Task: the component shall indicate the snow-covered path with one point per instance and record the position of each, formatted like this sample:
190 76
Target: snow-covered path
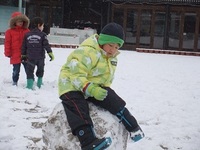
161 91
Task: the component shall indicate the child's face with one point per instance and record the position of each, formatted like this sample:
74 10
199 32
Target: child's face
19 23
41 27
111 49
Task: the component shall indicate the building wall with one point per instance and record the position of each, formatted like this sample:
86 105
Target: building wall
50 10
6 9
68 13
162 26
5 14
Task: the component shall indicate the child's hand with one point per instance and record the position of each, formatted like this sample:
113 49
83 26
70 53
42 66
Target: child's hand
51 56
97 92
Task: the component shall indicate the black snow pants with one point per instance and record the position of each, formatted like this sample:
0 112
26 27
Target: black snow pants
77 109
31 66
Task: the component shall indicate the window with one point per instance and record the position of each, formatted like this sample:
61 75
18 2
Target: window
174 30
189 30
131 27
145 28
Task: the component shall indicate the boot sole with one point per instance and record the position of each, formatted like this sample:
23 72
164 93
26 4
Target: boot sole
135 139
106 143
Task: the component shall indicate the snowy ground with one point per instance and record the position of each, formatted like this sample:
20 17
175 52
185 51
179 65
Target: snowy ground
161 91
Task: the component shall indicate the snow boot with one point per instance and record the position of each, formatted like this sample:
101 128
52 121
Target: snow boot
98 144
137 134
29 84
14 83
39 82
130 124
89 141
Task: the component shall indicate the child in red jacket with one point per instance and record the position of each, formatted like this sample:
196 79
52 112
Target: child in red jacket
13 41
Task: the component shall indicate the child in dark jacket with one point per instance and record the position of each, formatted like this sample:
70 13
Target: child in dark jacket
13 41
86 77
33 50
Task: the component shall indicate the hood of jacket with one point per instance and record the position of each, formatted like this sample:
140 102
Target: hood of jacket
92 42
18 16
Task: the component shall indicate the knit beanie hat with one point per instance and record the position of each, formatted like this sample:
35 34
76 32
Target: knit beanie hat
111 33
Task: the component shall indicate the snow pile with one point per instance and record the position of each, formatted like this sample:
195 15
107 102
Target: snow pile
57 133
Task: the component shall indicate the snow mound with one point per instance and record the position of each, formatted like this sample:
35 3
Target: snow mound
57 133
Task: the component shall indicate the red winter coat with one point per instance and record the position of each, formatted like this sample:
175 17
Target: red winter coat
14 37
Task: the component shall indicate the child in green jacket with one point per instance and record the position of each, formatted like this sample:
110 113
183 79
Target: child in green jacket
86 77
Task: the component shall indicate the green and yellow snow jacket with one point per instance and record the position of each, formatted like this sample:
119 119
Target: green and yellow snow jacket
87 64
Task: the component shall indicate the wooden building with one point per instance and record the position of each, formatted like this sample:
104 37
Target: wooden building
159 24
156 24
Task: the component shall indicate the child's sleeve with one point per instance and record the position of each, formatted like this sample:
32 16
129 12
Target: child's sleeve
46 44
7 44
24 47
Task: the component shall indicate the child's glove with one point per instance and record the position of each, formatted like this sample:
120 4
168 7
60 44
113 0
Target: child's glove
23 58
96 91
51 56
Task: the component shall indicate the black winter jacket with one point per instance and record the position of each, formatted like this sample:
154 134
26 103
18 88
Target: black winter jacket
35 44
